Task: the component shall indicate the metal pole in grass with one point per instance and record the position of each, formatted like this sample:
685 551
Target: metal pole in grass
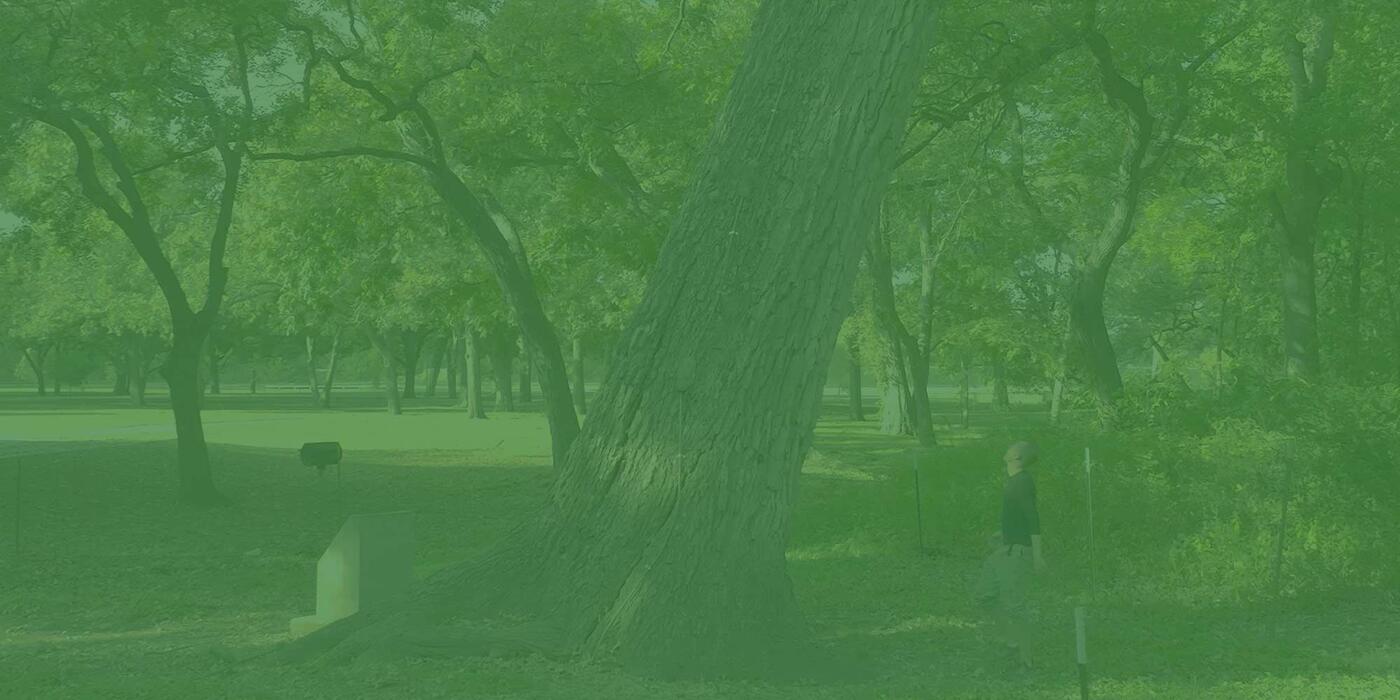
918 503
1081 652
19 486
1089 490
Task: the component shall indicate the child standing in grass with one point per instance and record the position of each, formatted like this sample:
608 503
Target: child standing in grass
1005 581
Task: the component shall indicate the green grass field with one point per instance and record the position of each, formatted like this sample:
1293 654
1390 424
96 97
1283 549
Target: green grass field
115 591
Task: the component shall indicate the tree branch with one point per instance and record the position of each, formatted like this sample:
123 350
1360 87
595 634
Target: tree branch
352 152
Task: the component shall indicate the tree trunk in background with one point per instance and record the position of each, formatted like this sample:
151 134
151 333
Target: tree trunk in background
580 399
472 394
121 378
57 366
253 381
35 358
454 360
492 230
894 414
136 369
663 544
856 398
213 358
435 367
330 371
1357 311
311 380
526 382
1001 394
1139 158
501 361
965 394
1298 203
181 371
412 349
907 361
389 372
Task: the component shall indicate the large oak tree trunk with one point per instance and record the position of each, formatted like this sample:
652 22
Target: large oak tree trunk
668 528
663 543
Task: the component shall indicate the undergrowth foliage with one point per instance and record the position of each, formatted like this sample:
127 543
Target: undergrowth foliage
1189 501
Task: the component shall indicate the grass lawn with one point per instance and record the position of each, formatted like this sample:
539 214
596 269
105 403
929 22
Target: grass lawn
117 592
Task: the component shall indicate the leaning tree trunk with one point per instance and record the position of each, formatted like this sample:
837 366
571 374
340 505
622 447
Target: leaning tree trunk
181 372
663 544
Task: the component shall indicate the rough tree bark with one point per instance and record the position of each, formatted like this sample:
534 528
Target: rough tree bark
663 543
